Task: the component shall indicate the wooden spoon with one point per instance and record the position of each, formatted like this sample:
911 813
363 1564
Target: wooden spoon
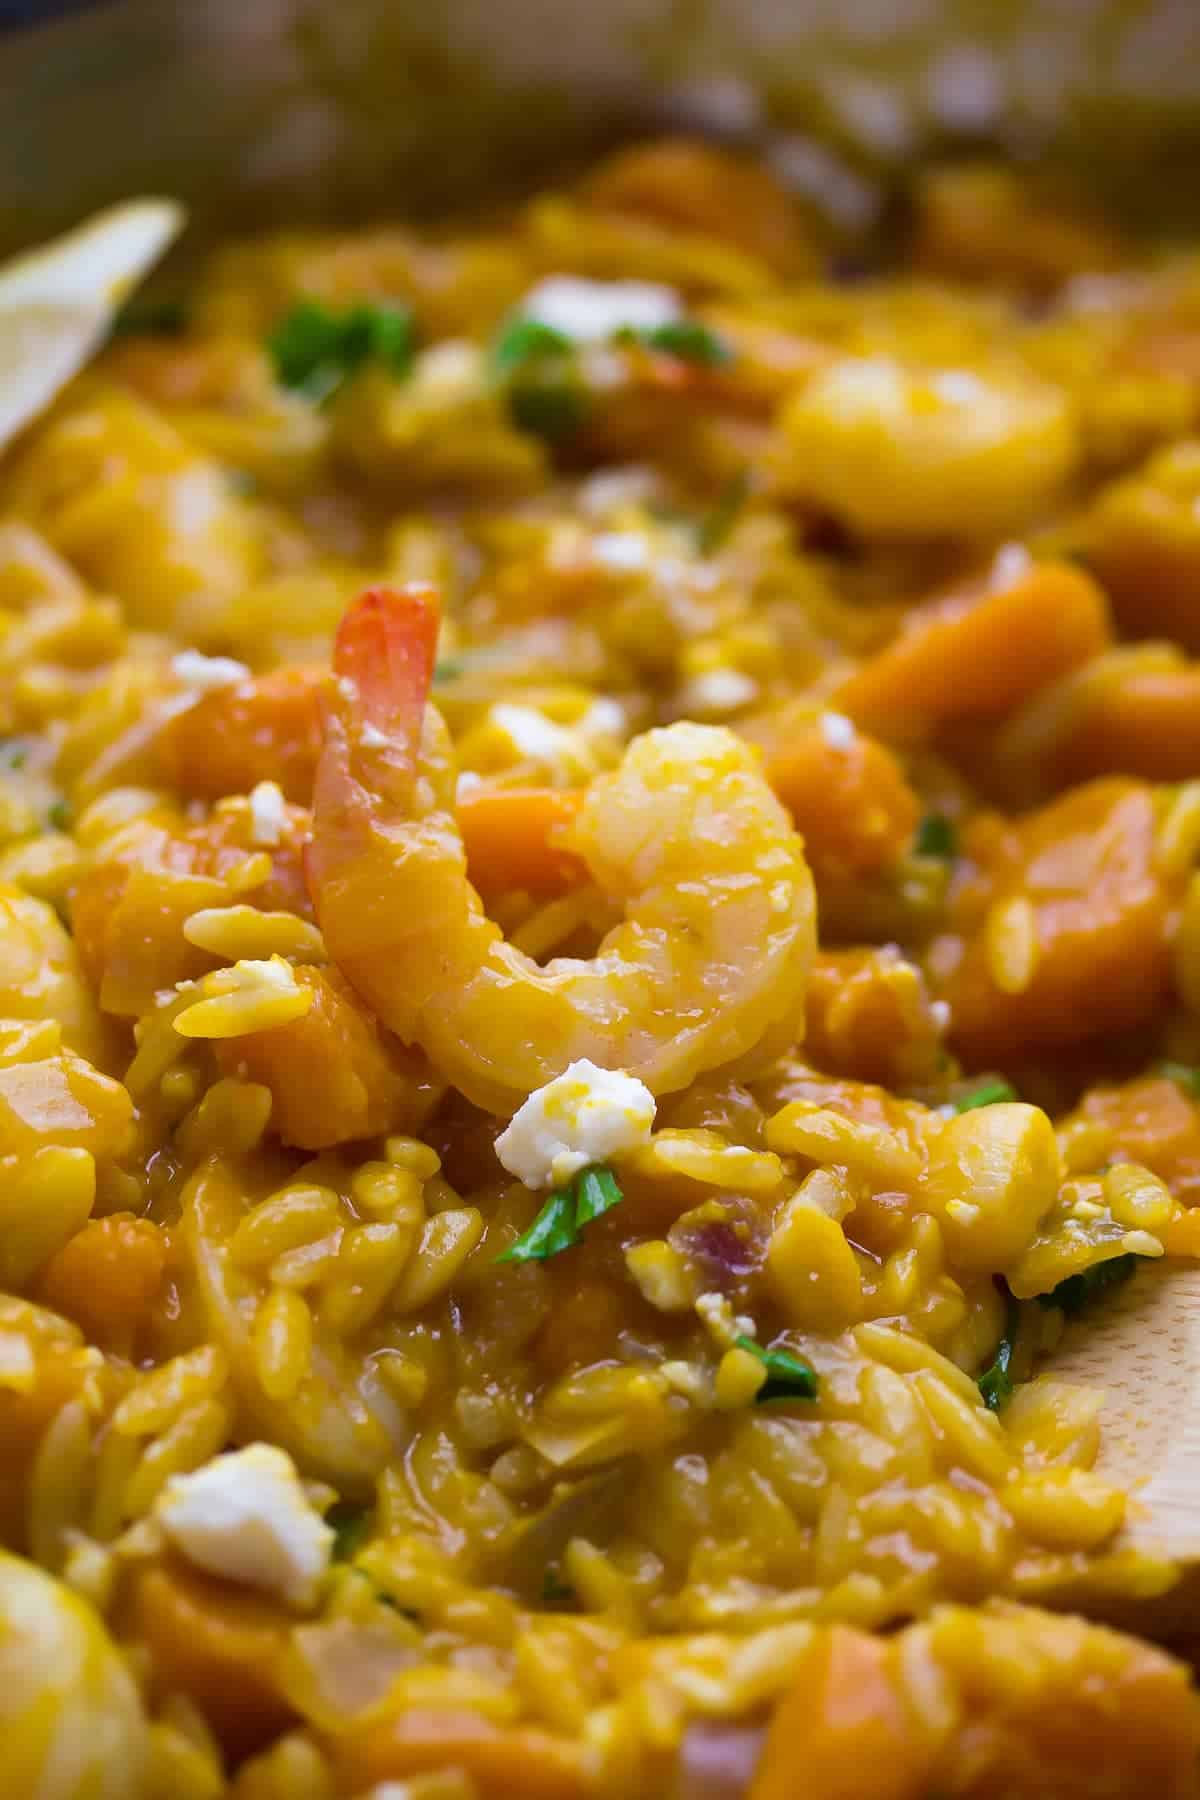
1141 1346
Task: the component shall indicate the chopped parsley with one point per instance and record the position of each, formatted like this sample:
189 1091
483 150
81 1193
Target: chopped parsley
14 753
718 522
1183 1075
1078 1291
686 339
522 339
789 1377
996 1382
314 349
58 815
351 1528
593 1192
556 1591
550 404
936 836
448 668
538 367
988 1093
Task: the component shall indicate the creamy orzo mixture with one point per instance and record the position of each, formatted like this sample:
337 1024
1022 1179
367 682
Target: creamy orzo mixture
599 950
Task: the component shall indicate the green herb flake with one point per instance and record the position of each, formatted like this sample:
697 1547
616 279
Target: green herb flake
996 1383
936 836
555 1591
596 1192
550 406
1078 1292
719 521
58 815
789 1377
685 339
448 668
553 1230
988 1093
351 1529
593 1192
14 753
1183 1075
522 339
314 349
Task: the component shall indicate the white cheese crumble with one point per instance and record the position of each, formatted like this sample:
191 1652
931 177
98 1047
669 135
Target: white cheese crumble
531 733
204 673
245 1515
268 813
585 1115
611 489
623 550
1010 563
717 691
591 311
837 730
723 1325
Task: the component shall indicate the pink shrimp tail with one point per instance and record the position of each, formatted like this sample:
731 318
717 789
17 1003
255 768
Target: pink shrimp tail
386 645
383 658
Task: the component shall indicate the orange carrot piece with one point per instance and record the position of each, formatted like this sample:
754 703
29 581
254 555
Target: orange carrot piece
843 1722
851 803
1147 725
510 836
108 1274
333 1074
502 1762
264 729
978 653
218 1645
1100 914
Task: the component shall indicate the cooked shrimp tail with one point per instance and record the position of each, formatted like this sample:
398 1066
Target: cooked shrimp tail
710 961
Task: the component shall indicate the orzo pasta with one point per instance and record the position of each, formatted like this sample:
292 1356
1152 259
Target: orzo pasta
599 942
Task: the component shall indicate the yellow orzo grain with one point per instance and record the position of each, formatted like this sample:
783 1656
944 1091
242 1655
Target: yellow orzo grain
282 1343
704 1156
1011 943
243 933
253 995
447 1240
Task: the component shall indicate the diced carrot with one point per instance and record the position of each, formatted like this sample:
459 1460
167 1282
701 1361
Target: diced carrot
265 729
510 836
869 1014
1099 953
107 1275
333 1075
1153 1122
504 1763
977 653
851 802
1147 725
843 1728
1145 548
217 1644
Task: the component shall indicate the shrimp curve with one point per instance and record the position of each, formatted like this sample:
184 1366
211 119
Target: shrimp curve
712 957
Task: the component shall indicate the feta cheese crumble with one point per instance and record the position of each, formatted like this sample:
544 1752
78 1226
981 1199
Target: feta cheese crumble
246 1516
837 730
585 1115
590 312
204 673
268 813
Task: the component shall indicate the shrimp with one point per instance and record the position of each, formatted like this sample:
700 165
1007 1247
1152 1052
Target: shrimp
709 964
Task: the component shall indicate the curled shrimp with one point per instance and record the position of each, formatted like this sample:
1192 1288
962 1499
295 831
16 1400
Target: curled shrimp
708 965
